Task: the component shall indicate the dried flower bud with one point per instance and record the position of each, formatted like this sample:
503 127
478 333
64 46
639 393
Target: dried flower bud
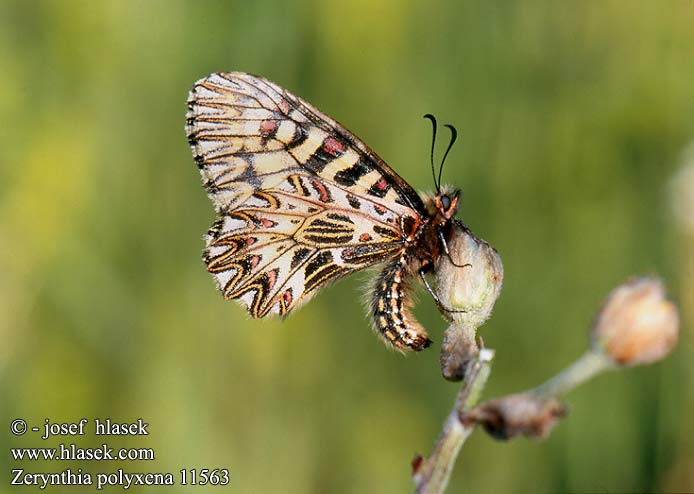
469 282
636 324
417 462
522 413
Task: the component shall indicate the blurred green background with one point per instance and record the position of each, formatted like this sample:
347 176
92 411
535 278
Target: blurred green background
574 121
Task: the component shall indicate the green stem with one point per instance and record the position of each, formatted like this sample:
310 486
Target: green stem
587 366
434 473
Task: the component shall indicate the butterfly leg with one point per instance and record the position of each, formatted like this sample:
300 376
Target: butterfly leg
436 298
390 306
442 238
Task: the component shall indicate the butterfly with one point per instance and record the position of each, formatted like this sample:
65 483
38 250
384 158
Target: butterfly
301 202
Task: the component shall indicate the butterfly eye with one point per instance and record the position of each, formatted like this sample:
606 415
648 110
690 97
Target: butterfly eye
445 202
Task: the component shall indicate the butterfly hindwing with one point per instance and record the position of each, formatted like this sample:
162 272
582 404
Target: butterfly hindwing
274 250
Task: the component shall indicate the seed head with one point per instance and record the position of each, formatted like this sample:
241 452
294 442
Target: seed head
636 325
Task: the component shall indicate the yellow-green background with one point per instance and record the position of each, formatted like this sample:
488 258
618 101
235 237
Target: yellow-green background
573 118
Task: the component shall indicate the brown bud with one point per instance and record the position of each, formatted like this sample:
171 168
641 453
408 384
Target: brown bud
636 324
519 414
417 462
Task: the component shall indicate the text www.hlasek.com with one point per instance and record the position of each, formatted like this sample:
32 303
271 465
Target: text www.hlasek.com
72 452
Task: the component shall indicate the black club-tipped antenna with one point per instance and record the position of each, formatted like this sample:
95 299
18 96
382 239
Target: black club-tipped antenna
454 136
433 143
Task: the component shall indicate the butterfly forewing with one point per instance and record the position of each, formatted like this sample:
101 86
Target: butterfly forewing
247 129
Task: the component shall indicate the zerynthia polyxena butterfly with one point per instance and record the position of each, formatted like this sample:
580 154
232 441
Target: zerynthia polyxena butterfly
301 202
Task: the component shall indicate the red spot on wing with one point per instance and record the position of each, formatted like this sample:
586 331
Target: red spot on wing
271 278
266 223
268 128
333 147
365 237
254 261
287 296
379 209
323 194
382 184
250 241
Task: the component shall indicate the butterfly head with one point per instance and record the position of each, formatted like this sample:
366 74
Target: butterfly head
446 203
442 205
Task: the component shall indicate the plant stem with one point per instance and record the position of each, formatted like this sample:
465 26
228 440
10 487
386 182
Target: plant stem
433 474
587 366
